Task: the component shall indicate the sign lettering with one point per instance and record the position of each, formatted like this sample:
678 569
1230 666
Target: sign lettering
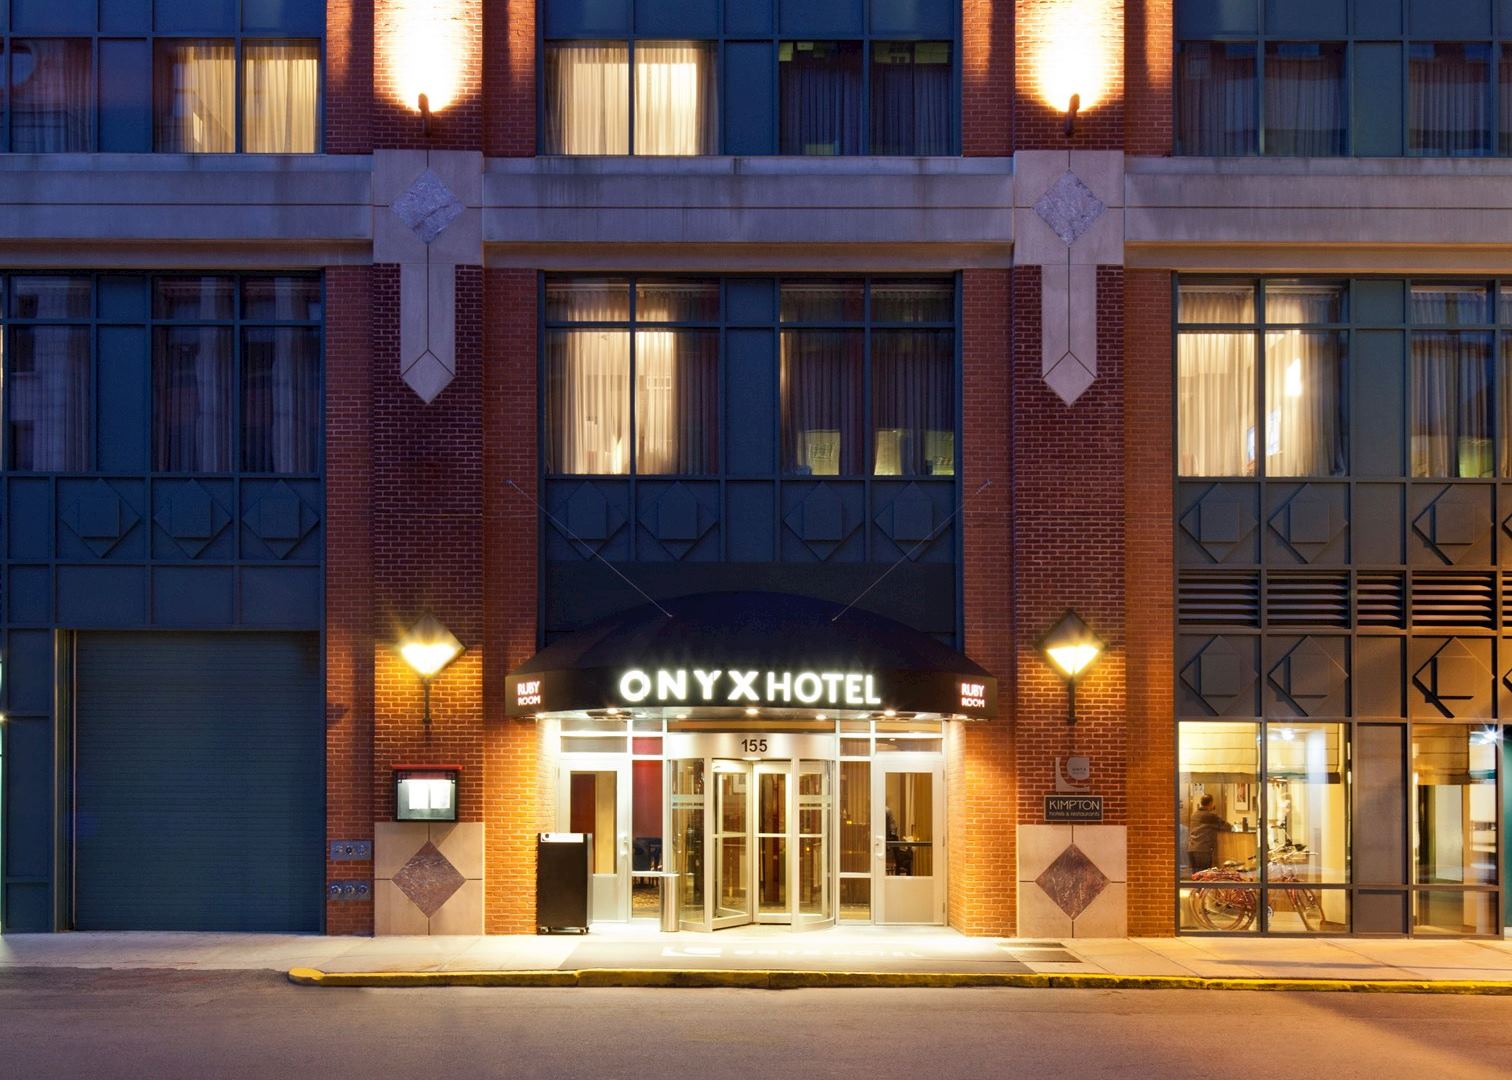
1073 808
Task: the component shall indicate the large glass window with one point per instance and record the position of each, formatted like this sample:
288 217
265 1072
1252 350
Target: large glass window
1452 379
47 374
1216 107
196 96
1448 99
1454 843
588 94
911 92
281 97
1305 104
51 96
820 94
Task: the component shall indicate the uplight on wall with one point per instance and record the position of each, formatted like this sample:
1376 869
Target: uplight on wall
1075 54
423 47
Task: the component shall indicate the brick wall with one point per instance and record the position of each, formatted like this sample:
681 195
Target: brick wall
396 121
509 78
1039 126
980 761
349 609
1149 595
517 797
1148 47
986 78
349 76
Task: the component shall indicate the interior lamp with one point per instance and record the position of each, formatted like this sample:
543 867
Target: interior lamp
428 648
1071 647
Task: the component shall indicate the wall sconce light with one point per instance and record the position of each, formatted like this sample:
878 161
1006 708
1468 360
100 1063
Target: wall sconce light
1071 110
428 648
1071 647
425 115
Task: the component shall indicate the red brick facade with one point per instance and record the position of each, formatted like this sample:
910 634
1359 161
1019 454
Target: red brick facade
986 78
1038 125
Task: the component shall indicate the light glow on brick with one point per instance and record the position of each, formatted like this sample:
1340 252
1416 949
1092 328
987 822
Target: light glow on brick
425 44
1076 51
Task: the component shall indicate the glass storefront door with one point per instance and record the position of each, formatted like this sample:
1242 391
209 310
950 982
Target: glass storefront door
732 843
908 864
595 798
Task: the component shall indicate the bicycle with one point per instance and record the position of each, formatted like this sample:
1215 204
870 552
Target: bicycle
1228 910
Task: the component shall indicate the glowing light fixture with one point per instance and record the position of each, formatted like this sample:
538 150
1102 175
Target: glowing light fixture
428 648
1076 54
1071 647
424 44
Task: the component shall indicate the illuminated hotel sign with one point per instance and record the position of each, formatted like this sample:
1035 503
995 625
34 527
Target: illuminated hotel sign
841 689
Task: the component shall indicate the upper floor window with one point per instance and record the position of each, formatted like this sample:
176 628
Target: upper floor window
199 97
591 99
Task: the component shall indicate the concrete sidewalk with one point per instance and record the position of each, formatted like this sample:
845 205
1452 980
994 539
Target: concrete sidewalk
876 950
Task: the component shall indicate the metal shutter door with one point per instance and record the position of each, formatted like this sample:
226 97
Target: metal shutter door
199 786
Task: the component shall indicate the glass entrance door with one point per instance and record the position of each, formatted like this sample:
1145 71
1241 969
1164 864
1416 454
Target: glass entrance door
908 855
595 799
732 844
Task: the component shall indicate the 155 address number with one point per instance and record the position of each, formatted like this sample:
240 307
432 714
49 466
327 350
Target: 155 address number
753 746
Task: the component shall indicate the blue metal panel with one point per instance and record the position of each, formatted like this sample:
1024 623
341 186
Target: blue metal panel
1446 20
195 16
750 405
820 18
1377 100
587 18
100 519
122 297
29 672
29 596
120 404
1313 19
754 17
1378 18
1504 21
284 16
750 507
280 596
27 816
1205 18
1377 358
681 19
749 97
125 97
185 596
30 520
199 782
280 519
126 16
1380 303
192 519
750 300
53 16
916 18
94 596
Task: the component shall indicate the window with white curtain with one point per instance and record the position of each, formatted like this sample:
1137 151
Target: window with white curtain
588 98
1304 100
197 87
196 97
1452 371
47 373
51 96
1215 91
281 97
1448 99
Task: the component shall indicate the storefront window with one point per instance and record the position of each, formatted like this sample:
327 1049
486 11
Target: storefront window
1454 782
1218 825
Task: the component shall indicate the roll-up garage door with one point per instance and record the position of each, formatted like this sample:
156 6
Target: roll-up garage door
199 782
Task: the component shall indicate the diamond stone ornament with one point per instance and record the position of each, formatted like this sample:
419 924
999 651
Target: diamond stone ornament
1073 881
429 879
1069 207
428 207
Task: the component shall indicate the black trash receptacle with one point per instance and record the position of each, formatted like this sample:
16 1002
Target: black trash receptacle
564 866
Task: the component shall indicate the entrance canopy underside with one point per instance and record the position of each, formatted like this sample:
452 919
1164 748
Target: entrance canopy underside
719 655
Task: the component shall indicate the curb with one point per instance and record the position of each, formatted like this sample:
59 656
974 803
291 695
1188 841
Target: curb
669 978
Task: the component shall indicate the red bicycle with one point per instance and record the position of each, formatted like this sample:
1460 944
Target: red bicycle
1227 908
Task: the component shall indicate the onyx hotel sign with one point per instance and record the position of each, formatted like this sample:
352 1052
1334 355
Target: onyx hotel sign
738 686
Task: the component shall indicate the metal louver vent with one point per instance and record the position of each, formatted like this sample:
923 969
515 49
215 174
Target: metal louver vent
1307 599
1450 599
1218 599
1380 600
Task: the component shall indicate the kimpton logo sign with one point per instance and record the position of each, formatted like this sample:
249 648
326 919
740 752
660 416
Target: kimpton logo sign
719 687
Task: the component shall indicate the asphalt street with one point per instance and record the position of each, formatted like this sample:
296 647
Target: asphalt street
214 1024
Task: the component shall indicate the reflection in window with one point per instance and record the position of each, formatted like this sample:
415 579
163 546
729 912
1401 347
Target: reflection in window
823 301
1448 99
195 111
1306 832
820 97
821 395
677 401
1451 304
913 402
911 94
1304 100
47 399
281 97
1454 779
676 104
1216 99
1304 402
1215 403
191 398
280 399
51 96
910 824
1451 404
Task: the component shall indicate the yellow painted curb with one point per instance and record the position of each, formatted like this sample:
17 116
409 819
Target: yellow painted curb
695 978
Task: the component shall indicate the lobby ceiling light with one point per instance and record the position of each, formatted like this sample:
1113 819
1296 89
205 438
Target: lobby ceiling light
428 648
1071 647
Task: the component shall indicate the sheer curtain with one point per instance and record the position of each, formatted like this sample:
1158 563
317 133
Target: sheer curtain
1304 394
820 97
1504 90
1304 100
280 399
676 401
588 401
191 392
1216 99
821 402
1215 404
676 103
280 97
196 107
1448 99
588 98
1451 404
913 402
911 92
51 106
49 398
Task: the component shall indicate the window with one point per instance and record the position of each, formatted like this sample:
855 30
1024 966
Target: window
47 374
590 358
1303 389
196 96
1304 100
588 95
911 91
219 354
1452 378
1448 95
1216 92
1454 844
51 96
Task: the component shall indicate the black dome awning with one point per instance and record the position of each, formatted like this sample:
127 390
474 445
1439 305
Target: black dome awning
737 650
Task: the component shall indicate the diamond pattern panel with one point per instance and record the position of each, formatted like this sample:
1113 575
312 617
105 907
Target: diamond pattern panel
193 517
1069 207
428 879
428 206
1073 881
100 518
